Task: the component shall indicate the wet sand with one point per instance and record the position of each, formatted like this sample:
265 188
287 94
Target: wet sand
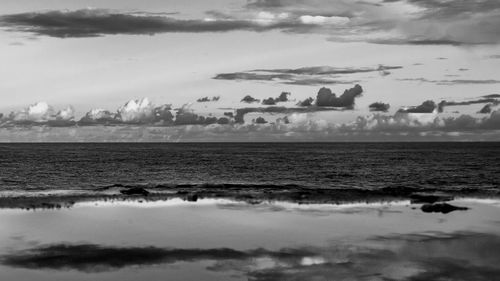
131 238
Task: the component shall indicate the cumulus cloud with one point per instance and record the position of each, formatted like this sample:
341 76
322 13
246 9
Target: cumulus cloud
283 97
306 102
486 109
140 111
297 126
37 112
136 111
379 106
208 99
98 116
428 106
421 122
249 99
260 120
186 116
326 97
66 114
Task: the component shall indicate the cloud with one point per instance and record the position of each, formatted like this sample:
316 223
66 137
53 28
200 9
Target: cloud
241 112
140 111
207 99
99 22
98 116
421 122
452 82
283 97
249 99
321 20
486 109
136 111
418 22
428 106
66 114
492 96
260 120
37 112
306 102
297 126
316 75
379 106
325 97
185 116
329 70
486 99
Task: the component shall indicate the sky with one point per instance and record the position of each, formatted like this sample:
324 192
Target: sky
311 70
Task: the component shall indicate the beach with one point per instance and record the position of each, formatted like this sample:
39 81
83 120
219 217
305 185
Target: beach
222 239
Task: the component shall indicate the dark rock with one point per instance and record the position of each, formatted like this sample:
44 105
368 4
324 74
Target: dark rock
192 197
441 208
417 198
135 191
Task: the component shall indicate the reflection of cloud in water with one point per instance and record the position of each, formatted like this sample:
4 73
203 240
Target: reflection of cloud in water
425 256
315 209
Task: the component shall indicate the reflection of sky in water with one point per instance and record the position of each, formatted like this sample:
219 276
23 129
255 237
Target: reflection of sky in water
225 240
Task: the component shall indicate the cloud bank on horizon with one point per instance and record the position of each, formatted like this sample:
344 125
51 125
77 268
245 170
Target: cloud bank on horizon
142 120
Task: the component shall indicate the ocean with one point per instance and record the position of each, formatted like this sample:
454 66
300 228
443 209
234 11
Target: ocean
88 166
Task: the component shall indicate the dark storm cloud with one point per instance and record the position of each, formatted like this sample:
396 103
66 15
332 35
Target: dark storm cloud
379 106
98 258
98 22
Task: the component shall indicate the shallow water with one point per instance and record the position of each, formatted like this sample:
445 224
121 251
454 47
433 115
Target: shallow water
226 240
